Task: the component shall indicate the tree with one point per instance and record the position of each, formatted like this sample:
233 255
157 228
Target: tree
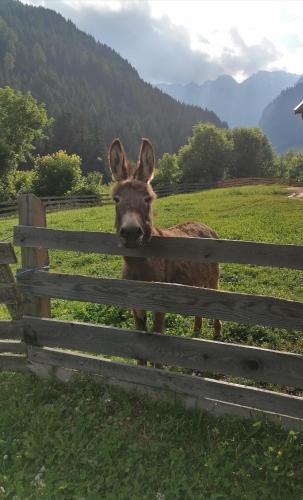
290 166
168 172
252 153
22 122
206 156
57 174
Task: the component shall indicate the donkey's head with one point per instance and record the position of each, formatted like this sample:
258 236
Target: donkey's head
133 193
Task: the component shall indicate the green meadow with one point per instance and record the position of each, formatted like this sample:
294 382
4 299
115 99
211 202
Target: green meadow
83 440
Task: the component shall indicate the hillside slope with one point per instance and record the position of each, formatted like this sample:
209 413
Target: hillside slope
240 104
281 125
91 91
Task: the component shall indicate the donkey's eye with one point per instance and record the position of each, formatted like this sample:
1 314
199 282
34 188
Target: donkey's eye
116 199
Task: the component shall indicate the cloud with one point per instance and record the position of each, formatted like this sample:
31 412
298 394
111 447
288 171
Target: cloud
159 49
245 58
293 42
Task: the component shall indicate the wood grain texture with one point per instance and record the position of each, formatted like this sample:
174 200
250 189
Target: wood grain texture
276 367
11 330
13 363
14 347
216 408
195 249
166 297
7 294
32 213
10 294
7 254
197 387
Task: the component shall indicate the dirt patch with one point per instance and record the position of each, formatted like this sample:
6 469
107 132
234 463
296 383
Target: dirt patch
296 192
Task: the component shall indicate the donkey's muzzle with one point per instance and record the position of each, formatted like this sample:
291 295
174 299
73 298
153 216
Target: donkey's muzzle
131 235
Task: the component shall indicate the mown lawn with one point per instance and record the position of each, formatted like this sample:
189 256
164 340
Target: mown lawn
85 441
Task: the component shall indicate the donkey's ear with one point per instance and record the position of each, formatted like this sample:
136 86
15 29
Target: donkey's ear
146 162
118 161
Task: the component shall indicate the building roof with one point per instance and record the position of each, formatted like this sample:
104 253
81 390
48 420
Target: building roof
299 108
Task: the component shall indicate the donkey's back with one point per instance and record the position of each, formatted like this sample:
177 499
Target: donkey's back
187 272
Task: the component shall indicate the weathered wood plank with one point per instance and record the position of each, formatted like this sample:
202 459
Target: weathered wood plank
9 289
15 347
11 330
166 297
216 408
276 367
195 249
197 387
13 363
7 294
32 213
7 254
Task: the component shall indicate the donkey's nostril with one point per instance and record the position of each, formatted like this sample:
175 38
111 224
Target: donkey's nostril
131 232
138 232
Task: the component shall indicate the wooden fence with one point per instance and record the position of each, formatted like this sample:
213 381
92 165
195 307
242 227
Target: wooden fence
51 203
61 347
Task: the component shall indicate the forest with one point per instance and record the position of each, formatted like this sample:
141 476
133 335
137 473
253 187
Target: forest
92 93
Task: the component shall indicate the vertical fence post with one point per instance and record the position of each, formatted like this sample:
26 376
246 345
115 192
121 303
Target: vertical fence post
32 213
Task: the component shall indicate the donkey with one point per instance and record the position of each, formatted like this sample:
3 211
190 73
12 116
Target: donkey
133 196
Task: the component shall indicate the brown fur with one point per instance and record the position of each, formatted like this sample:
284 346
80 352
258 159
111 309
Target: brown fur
134 195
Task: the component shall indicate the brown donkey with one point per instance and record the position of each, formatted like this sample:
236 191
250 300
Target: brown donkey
133 196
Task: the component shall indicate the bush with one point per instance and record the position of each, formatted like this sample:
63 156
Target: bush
23 181
290 166
7 187
90 184
168 172
58 174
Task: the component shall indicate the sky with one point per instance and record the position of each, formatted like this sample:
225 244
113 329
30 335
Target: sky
182 41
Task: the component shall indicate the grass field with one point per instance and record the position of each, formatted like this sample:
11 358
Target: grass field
84 441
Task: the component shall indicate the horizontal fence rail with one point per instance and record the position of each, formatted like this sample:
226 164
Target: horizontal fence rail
265 365
166 297
195 249
7 254
197 387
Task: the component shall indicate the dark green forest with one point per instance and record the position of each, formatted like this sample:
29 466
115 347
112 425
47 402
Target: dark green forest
283 128
91 92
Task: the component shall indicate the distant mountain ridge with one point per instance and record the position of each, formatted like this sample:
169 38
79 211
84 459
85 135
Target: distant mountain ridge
239 104
93 93
283 128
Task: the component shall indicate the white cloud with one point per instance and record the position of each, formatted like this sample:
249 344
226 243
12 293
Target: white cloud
182 41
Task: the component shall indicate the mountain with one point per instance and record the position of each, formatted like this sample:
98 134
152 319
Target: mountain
283 128
240 104
93 94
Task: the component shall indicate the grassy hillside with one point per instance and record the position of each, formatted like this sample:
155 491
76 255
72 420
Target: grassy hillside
86 441
261 213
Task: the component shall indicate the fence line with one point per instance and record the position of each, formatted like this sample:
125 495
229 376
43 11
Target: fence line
276 367
51 203
196 249
50 345
165 297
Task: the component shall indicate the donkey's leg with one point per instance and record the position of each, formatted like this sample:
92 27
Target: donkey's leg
141 324
217 328
214 283
158 327
198 325
159 323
